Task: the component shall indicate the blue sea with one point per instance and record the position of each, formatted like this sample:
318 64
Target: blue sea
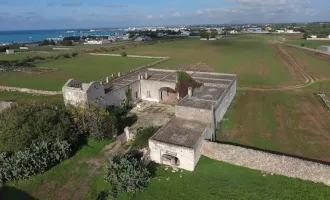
39 35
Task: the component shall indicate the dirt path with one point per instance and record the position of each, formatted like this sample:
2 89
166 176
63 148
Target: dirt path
309 80
30 91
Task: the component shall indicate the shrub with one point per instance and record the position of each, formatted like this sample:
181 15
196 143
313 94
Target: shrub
126 173
22 124
123 54
302 45
95 121
36 159
74 54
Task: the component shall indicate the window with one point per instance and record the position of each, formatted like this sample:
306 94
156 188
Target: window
136 95
148 94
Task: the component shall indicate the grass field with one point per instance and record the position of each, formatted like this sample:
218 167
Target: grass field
295 123
256 62
297 39
86 68
19 56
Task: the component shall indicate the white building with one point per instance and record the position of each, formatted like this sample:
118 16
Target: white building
185 33
24 48
10 51
143 38
97 42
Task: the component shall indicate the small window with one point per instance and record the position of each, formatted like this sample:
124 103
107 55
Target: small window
148 94
136 95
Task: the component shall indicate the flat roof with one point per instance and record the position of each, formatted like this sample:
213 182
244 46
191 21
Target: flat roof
181 132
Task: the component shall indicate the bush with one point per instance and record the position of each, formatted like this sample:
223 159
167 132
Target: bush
36 159
67 55
123 54
302 45
95 121
74 54
22 124
126 173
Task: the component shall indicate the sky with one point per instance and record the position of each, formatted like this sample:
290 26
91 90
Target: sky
71 14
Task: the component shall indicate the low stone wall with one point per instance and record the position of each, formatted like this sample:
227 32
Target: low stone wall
325 101
267 162
320 39
305 48
30 91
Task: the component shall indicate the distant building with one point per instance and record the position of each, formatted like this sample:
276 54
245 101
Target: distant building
185 33
10 51
254 30
313 36
143 38
24 48
97 42
280 31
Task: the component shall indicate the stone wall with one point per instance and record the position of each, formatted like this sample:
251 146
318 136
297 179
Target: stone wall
305 48
268 162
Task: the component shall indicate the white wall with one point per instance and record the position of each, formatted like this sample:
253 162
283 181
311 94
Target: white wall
153 87
185 155
74 96
116 96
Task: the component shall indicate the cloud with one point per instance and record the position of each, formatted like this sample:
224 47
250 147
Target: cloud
116 5
149 16
200 12
176 14
72 3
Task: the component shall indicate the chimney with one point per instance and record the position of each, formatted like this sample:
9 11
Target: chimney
119 74
190 91
146 75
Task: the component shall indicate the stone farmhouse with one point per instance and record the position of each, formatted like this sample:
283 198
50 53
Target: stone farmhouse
197 115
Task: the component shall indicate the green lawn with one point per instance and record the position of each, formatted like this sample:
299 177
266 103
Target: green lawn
250 56
217 180
86 68
295 123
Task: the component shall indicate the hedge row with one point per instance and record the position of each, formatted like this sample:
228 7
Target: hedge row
34 160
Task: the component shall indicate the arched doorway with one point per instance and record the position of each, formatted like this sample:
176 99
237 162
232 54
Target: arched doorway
170 160
167 95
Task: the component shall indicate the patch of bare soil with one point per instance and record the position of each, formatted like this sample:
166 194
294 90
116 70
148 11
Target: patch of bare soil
36 70
282 126
319 56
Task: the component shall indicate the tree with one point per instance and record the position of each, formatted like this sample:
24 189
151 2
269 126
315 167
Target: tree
67 43
22 124
95 121
126 173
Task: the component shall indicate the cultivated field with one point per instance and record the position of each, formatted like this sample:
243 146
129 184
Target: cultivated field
86 68
295 123
256 62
